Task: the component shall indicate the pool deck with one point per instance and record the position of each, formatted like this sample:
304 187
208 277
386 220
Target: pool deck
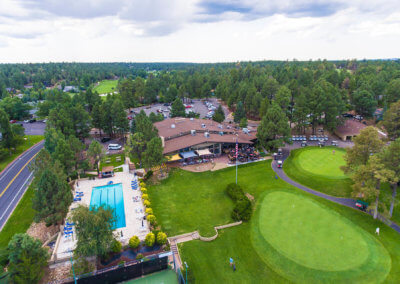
134 211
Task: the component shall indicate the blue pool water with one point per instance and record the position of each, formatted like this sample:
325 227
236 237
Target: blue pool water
112 196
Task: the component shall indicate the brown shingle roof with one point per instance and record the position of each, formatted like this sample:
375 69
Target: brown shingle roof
180 137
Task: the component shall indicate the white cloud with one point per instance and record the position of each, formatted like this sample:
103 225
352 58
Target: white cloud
179 30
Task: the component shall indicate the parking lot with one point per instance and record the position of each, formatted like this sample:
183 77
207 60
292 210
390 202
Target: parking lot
34 128
196 105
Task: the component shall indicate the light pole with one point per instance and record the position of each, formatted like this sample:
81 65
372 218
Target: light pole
186 271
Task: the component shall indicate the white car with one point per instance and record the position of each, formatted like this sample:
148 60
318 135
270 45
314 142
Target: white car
114 147
26 121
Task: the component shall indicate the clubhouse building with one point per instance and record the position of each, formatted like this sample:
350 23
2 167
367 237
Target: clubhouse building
185 138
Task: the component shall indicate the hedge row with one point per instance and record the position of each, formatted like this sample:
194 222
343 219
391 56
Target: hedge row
243 206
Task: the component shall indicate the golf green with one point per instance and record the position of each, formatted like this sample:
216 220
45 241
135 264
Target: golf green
322 161
301 239
319 169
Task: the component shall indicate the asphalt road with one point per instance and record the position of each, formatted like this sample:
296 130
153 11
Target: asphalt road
14 181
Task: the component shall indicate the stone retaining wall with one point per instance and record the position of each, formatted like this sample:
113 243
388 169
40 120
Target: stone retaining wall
209 239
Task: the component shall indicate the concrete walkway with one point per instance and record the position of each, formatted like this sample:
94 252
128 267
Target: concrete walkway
349 202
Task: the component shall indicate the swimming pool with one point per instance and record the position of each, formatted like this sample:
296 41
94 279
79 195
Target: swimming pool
112 196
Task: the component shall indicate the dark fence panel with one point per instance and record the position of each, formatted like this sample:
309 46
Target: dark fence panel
123 273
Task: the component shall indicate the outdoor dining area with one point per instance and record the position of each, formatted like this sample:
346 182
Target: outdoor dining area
246 153
192 157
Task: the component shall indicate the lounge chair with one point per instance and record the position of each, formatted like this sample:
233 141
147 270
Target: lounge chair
77 199
110 182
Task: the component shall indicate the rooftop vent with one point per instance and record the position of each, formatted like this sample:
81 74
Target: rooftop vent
203 125
246 130
193 132
191 119
172 125
221 133
206 134
220 126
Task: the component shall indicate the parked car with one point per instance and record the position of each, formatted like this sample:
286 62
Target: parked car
280 163
26 121
13 121
114 147
303 144
130 117
105 139
334 143
32 120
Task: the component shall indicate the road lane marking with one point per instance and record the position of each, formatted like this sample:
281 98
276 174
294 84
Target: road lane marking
15 196
15 162
24 166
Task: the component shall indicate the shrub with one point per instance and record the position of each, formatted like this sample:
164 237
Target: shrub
121 263
146 203
234 191
145 196
242 210
161 238
139 256
142 184
243 206
150 239
143 189
82 266
149 211
134 242
116 246
151 219
148 175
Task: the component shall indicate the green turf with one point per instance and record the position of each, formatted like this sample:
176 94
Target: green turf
113 162
257 261
322 161
106 86
20 219
319 169
163 277
305 240
25 145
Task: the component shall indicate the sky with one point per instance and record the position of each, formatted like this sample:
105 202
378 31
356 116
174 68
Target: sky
197 30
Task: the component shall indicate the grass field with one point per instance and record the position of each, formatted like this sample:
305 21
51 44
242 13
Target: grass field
20 219
319 169
187 201
106 86
32 140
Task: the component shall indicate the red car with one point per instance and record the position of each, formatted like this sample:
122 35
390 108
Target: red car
130 117
188 106
13 121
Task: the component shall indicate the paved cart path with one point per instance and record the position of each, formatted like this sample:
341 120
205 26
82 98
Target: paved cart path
349 202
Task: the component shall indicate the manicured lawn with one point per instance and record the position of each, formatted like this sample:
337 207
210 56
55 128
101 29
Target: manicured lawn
319 169
25 145
113 162
188 201
257 247
106 86
20 219
306 240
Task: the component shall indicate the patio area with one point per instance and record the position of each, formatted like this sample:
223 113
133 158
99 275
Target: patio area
133 206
